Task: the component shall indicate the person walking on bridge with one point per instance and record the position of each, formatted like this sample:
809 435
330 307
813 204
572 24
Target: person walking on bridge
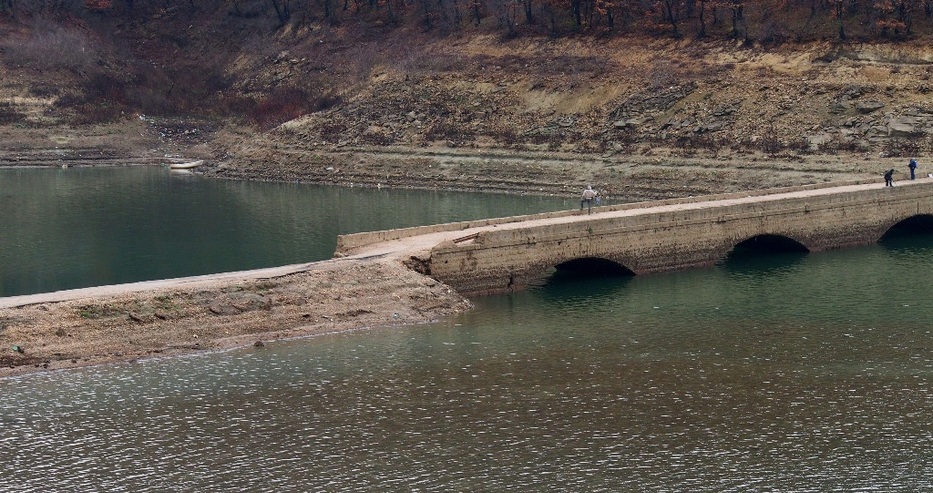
913 168
889 178
588 195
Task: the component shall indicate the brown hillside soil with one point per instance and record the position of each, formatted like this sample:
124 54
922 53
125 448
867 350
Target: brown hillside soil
636 118
639 119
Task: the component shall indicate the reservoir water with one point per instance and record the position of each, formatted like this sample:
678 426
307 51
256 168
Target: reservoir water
80 227
778 372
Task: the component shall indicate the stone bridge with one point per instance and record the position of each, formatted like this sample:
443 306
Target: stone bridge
509 253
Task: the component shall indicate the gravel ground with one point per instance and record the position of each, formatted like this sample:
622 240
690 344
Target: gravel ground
216 314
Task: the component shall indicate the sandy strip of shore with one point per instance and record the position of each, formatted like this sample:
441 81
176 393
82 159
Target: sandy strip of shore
183 316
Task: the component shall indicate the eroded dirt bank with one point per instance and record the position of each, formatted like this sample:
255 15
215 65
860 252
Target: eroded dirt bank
330 296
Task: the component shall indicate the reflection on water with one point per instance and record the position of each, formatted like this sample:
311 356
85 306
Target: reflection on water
809 375
754 263
79 227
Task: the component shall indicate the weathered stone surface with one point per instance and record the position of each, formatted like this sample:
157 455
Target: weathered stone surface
866 107
816 140
905 126
664 238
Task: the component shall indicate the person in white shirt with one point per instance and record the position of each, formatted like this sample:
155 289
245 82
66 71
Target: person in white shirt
588 196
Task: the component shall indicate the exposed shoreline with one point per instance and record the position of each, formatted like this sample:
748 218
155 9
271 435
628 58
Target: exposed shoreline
212 313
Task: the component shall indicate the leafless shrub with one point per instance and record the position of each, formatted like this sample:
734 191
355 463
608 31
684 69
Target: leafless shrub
505 135
800 145
288 103
901 148
43 91
88 111
248 9
52 47
378 138
236 106
769 144
838 144
588 146
101 99
712 143
151 100
104 87
99 113
449 131
8 113
773 32
625 136
333 132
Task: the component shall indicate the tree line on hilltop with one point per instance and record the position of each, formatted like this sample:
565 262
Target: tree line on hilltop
768 21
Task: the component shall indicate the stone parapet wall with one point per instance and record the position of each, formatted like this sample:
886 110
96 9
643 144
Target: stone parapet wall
349 243
654 241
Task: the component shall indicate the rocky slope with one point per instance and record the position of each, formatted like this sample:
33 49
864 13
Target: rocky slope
639 118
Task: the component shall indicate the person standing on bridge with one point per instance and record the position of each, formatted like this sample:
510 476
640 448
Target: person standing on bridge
889 178
913 168
588 195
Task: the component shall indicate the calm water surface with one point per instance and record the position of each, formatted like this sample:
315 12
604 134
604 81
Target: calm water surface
774 373
783 372
79 227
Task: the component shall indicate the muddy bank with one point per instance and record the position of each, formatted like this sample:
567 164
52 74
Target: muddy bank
660 174
213 315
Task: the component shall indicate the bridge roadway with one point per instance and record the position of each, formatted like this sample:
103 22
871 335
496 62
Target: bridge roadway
509 253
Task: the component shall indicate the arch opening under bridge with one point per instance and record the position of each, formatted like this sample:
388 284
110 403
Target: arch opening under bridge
921 224
587 267
762 251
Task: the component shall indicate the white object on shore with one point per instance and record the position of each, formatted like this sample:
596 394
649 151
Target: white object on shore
188 165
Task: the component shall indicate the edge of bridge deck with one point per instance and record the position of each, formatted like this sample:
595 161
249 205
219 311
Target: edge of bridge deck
159 284
349 244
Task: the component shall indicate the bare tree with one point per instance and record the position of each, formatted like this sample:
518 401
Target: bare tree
672 10
838 13
738 19
282 11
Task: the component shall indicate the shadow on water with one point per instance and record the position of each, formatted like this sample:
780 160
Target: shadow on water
910 237
584 278
764 255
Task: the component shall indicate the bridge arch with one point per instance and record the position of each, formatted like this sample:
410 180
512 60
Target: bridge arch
679 234
919 224
577 269
771 243
592 267
763 243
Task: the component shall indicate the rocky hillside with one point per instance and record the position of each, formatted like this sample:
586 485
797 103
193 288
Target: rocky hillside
632 95
644 117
